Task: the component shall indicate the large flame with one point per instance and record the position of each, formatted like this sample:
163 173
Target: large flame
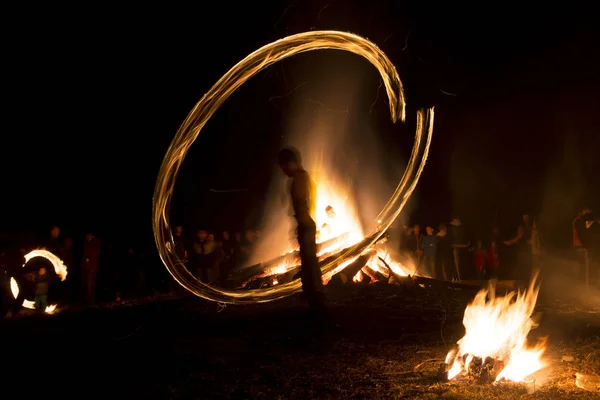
497 328
338 224
336 216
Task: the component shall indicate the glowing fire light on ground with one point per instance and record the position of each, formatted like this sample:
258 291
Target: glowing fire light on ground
59 268
497 329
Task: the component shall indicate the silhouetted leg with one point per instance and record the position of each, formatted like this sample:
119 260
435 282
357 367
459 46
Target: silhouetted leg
83 295
41 302
91 288
456 254
430 266
525 261
312 283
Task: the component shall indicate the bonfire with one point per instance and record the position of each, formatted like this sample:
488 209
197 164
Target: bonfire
339 228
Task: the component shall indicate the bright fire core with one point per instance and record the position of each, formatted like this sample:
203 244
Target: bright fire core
339 227
497 329
335 216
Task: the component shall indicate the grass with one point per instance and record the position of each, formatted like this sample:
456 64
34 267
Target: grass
382 342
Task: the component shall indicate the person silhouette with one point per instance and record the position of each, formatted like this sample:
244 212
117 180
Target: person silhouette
303 199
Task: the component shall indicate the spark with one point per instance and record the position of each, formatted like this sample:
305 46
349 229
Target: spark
387 37
373 105
282 15
406 40
323 9
447 93
287 94
325 108
373 11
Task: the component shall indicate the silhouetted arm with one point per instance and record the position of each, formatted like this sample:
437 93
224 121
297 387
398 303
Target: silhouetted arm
520 233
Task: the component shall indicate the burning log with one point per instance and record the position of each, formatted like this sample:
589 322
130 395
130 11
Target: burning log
359 263
485 371
260 279
374 274
397 278
246 274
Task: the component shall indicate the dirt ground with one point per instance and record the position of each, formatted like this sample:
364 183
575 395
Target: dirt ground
381 342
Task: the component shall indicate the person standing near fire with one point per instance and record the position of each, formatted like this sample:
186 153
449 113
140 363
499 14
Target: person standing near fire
590 239
89 267
429 250
522 240
302 193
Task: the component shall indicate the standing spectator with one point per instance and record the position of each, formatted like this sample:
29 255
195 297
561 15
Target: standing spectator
89 267
429 248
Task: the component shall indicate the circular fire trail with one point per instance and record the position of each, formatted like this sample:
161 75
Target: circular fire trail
216 96
59 268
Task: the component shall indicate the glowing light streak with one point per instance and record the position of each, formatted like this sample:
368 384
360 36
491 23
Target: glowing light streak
216 96
59 267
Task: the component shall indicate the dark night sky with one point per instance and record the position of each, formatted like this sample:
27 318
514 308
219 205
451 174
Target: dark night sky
95 96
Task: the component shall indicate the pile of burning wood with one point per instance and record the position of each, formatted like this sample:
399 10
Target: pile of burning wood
372 265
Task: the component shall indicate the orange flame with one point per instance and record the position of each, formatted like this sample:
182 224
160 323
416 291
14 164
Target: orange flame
337 218
497 328
59 267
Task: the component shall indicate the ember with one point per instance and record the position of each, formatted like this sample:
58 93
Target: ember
496 336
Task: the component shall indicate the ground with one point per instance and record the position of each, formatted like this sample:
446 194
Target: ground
382 341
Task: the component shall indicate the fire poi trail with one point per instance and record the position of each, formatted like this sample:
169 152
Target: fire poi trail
59 268
216 96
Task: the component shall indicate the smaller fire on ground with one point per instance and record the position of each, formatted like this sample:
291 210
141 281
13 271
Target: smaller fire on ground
496 336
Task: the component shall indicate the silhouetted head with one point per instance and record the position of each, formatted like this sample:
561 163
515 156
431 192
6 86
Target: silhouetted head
42 271
225 235
416 228
178 230
202 234
55 232
89 236
429 230
289 160
526 219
